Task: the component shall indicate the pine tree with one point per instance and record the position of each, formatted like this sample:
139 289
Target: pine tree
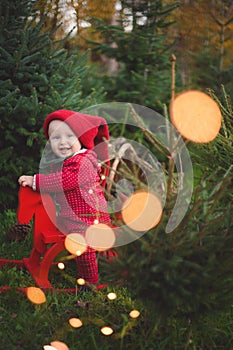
187 274
206 72
37 77
138 43
218 153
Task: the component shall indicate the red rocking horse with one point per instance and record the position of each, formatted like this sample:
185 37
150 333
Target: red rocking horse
48 240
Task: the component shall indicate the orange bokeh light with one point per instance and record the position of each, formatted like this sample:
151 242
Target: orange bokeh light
196 116
100 237
36 295
142 211
58 345
75 244
75 322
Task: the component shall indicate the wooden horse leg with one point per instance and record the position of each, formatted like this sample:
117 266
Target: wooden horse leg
40 272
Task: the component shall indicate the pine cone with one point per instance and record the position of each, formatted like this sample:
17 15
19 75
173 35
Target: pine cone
18 232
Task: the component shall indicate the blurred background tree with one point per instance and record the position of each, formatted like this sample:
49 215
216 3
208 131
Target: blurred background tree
116 31
138 44
203 33
37 76
75 14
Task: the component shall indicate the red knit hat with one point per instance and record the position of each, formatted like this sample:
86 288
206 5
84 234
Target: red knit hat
92 131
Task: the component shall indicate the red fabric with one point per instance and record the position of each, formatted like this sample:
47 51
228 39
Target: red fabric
88 267
77 191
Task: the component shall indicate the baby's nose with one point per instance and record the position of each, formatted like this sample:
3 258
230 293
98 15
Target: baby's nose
63 140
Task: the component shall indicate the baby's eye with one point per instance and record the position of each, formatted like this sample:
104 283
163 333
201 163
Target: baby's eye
71 135
55 137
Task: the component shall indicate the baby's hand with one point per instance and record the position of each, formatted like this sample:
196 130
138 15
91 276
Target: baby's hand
26 180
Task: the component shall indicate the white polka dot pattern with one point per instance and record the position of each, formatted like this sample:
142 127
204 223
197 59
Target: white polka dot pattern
77 191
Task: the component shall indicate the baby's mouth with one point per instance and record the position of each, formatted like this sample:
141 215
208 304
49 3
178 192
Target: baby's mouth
64 150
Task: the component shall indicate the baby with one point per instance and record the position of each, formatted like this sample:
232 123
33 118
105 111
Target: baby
75 178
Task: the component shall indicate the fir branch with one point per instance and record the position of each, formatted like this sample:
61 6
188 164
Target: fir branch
154 141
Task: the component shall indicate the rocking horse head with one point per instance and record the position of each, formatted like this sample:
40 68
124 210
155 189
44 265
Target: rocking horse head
34 205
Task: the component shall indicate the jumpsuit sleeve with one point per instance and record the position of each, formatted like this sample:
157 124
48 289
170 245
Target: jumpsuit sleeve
77 172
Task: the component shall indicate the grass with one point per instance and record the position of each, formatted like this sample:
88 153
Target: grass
27 326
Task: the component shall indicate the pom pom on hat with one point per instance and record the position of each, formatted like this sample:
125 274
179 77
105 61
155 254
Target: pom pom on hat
92 131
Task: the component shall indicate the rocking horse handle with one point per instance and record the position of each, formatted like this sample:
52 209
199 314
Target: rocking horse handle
121 152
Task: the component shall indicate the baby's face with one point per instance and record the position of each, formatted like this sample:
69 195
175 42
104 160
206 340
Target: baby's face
62 139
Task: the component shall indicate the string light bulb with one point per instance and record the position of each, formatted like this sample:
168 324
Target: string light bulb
75 322
61 265
112 296
134 314
106 330
81 281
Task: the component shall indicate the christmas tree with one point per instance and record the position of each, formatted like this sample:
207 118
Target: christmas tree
37 77
185 275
